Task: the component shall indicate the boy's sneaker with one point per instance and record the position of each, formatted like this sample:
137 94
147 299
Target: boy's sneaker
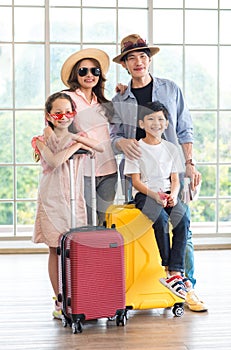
57 313
194 303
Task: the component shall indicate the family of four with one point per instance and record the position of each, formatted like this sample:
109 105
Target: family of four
149 123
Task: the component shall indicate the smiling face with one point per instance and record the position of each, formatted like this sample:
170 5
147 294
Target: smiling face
61 106
89 80
154 124
137 63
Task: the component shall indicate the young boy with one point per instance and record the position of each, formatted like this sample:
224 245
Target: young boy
156 181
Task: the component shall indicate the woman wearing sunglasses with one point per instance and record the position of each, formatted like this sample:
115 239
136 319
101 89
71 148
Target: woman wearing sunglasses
84 73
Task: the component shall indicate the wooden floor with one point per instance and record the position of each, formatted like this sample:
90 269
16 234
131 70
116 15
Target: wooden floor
26 307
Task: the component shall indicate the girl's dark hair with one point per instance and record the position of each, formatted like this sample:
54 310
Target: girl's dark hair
150 107
57 95
98 89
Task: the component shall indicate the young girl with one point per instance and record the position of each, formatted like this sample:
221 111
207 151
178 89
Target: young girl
53 149
84 74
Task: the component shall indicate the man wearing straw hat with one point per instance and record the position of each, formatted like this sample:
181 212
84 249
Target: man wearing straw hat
135 57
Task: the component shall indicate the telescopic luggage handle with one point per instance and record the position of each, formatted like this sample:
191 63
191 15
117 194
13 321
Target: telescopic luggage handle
72 188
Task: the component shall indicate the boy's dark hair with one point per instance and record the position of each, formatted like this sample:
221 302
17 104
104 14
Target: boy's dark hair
150 107
147 51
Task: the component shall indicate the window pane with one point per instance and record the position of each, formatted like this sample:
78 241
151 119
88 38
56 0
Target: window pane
27 182
225 20
29 76
67 3
224 137
208 185
6 176
168 63
132 3
6 137
6 86
201 3
31 29
225 4
25 216
224 223
198 28
138 23
5 2
27 125
99 25
203 211
100 3
204 147
28 2
168 3
225 81
6 24
65 24
58 55
201 77
168 26
6 218
225 180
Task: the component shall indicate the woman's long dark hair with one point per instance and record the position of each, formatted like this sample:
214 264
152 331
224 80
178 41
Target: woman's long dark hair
98 89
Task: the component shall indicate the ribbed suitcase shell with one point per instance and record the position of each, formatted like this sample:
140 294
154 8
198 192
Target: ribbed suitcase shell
93 273
142 261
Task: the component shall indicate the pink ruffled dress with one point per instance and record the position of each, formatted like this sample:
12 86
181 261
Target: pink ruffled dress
53 216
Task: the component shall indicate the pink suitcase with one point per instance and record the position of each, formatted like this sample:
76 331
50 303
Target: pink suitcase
92 274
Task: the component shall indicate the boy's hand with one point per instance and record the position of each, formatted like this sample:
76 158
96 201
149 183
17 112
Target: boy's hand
162 198
172 200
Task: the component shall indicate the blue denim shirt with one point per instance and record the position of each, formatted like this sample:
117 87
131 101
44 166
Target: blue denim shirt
124 120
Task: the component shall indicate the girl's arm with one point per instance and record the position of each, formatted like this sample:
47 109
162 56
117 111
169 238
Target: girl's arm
175 187
141 187
92 143
56 159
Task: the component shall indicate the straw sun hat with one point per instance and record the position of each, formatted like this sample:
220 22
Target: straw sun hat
96 54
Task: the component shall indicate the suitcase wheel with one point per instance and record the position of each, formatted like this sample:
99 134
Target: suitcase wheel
77 327
121 319
178 309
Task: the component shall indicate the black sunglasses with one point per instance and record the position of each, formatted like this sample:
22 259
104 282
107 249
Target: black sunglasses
84 71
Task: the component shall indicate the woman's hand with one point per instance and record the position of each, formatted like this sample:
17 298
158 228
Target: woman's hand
47 132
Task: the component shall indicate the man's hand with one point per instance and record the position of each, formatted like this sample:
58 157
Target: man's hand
121 88
194 175
130 147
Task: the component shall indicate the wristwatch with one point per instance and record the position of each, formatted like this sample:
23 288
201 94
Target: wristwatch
190 161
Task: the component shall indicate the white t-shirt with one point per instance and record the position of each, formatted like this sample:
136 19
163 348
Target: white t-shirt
155 165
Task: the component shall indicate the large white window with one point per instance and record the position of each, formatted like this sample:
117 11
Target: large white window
37 36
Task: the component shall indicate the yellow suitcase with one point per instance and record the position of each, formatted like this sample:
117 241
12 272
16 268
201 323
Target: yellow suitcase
142 261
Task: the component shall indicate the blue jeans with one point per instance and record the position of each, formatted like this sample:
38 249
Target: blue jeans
189 254
173 255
